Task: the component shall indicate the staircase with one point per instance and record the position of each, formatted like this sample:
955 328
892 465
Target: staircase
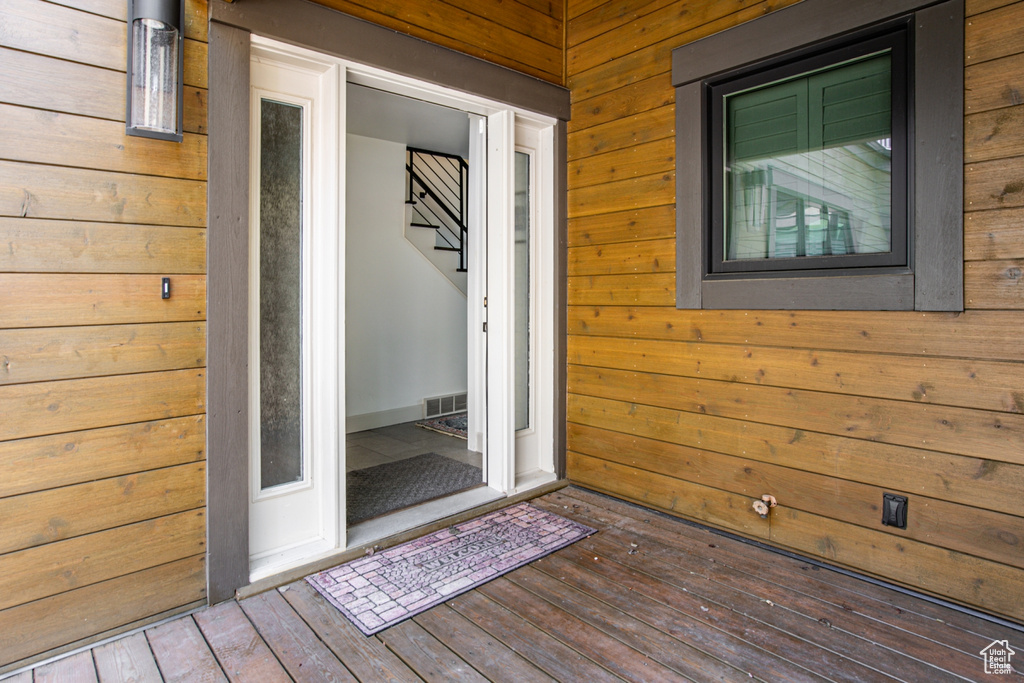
437 210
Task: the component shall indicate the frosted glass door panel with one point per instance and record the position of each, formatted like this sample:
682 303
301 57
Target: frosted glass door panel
280 310
523 219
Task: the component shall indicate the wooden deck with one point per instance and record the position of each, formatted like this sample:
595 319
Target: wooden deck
646 599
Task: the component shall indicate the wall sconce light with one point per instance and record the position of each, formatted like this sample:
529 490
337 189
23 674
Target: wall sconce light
156 64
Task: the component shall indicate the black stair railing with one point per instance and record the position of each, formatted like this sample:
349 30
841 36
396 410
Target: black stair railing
439 192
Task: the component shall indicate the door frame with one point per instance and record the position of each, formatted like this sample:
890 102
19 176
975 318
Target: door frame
348 38
299 524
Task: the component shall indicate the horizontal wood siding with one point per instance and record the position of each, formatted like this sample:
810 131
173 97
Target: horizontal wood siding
102 382
525 35
699 413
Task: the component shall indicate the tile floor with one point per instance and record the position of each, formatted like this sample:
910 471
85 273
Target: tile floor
401 441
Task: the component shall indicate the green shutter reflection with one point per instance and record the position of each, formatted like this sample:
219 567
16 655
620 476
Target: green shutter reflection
809 164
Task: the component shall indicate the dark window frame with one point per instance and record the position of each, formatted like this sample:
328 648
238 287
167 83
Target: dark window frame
932 278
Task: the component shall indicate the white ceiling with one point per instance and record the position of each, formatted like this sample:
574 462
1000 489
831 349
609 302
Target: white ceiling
377 114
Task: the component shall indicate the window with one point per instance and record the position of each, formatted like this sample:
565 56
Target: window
796 149
805 173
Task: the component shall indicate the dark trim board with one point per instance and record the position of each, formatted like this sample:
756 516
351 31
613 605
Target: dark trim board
561 304
848 293
939 74
319 28
227 352
935 159
331 32
780 32
690 194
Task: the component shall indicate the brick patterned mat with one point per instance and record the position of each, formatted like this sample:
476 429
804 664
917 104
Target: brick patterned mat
382 589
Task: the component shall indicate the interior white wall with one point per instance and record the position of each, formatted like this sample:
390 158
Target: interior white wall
405 323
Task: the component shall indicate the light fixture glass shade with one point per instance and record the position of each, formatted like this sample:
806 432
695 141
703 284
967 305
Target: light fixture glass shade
154 71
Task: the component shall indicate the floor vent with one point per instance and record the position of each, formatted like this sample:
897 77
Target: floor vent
444 405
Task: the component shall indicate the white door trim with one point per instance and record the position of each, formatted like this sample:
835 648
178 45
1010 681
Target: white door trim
500 302
534 446
476 313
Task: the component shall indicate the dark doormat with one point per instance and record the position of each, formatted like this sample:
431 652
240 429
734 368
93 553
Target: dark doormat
391 585
381 489
452 425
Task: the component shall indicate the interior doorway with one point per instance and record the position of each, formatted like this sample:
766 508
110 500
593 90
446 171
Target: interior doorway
412 388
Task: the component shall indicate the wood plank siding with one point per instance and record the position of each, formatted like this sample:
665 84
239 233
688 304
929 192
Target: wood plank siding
525 35
699 413
102 383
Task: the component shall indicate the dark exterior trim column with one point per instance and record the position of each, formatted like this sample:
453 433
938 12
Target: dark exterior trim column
227 338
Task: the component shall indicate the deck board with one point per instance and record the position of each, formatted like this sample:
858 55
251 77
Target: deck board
242 653
126 659
551 655
479 648
78 668
802 638
574 631
946 639
182 654
667 616
303 654
427 655
648 598
642 637
952 628
367 658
